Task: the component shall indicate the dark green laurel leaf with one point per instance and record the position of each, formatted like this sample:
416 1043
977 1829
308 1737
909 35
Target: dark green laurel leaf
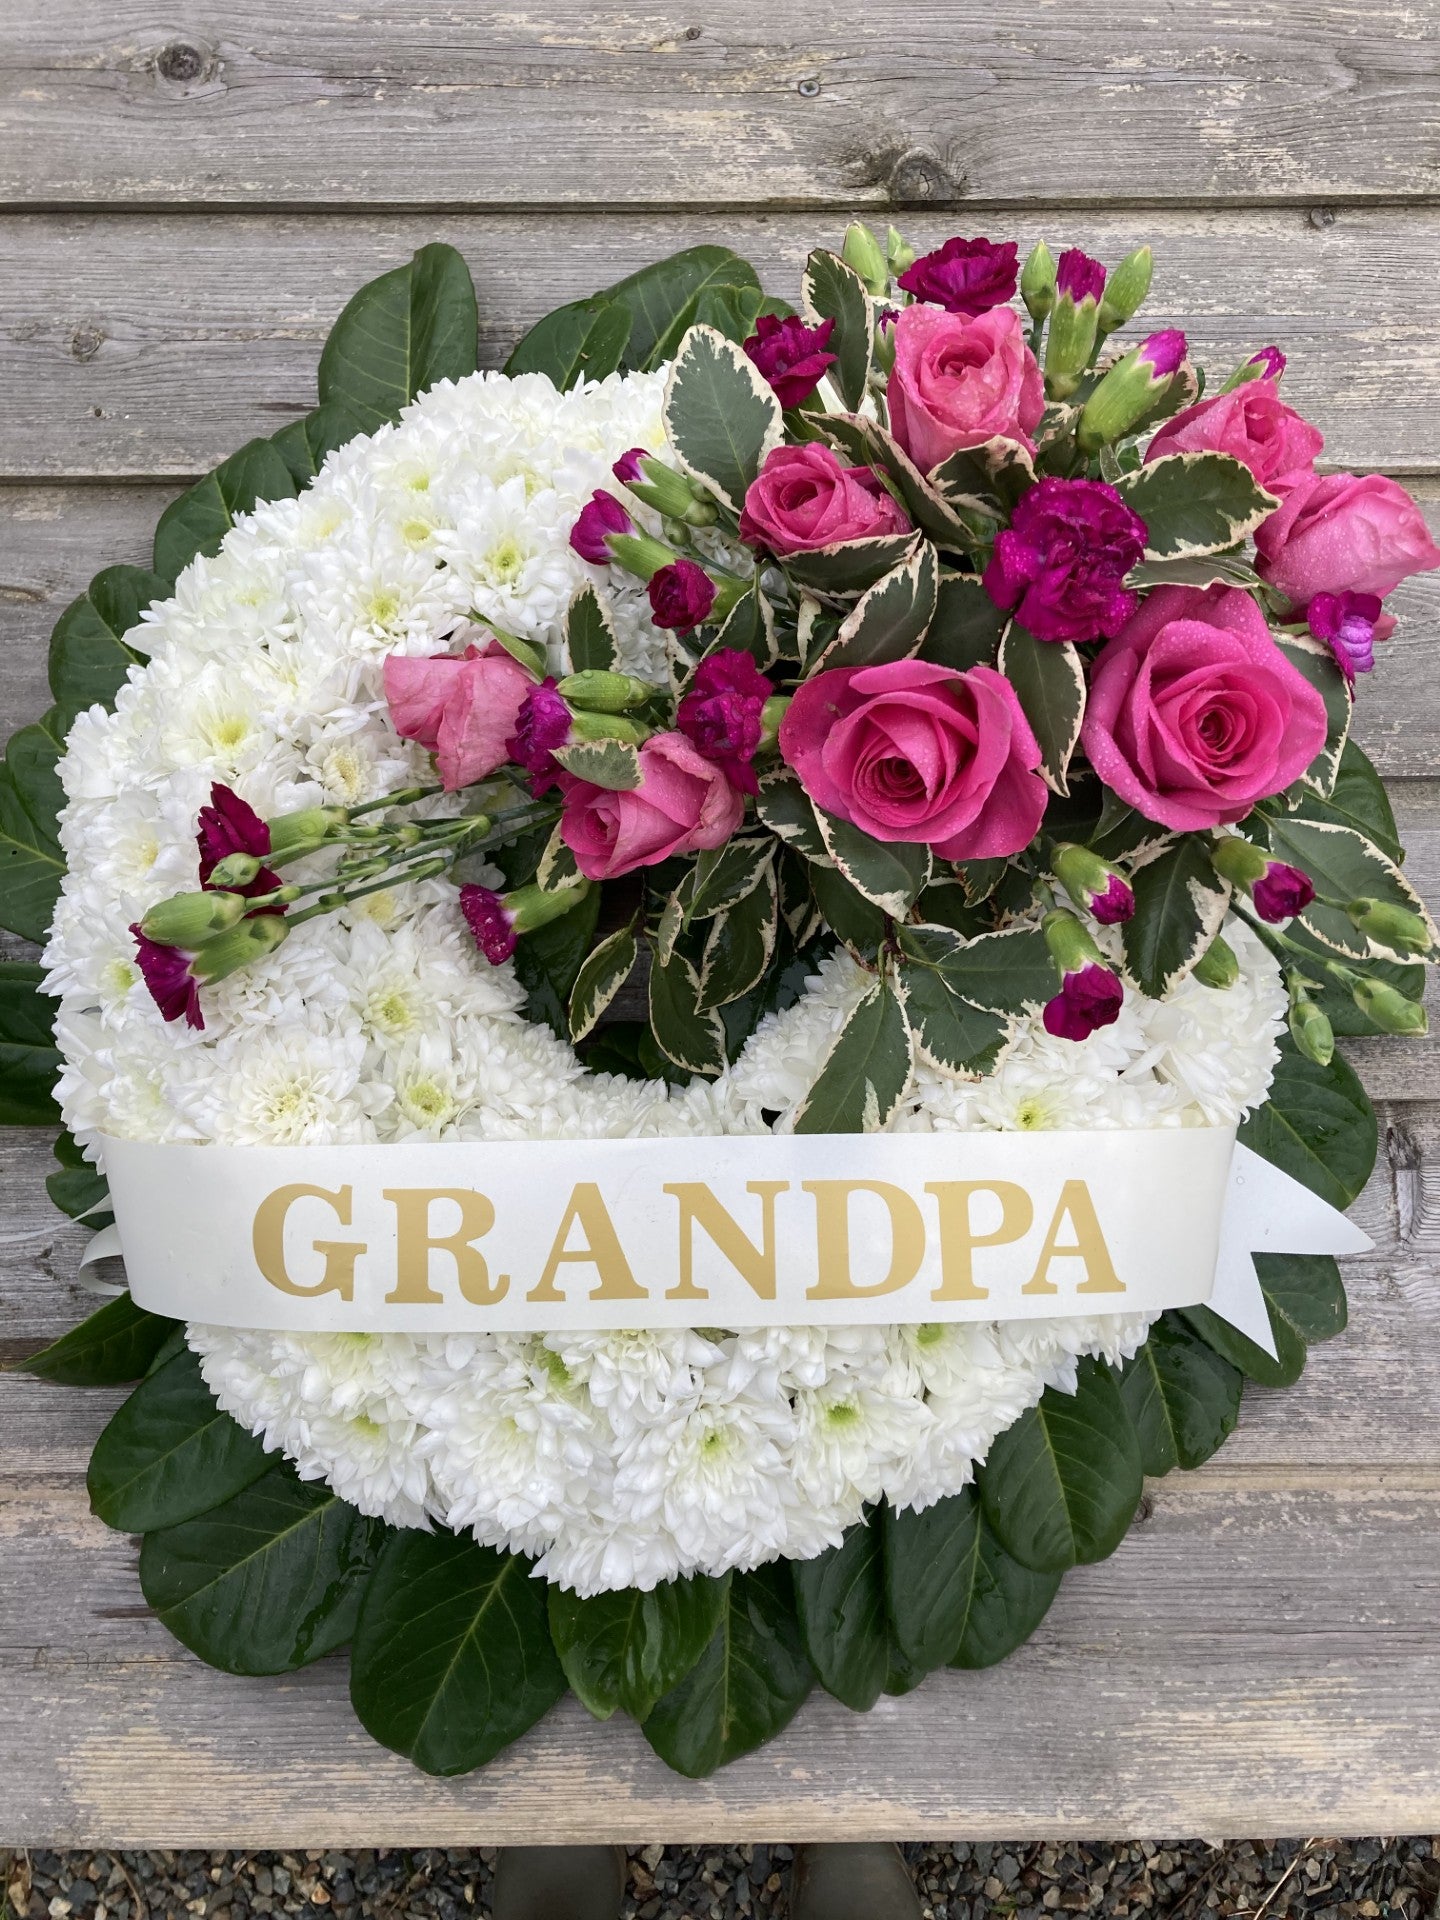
400 334
1183 1397
115 1345
627 1648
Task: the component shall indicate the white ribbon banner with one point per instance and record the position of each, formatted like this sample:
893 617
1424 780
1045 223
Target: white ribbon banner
736 1231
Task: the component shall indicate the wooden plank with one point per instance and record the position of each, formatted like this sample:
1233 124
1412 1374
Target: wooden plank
948 100
152 347
53 538
1237 1667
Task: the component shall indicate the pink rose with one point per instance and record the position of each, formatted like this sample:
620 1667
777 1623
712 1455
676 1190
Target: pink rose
802 498
1254 426
463 709
958 382
1344 533
683 803
1195 713
910 751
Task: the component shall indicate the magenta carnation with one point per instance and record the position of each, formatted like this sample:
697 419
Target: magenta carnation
230 825
601 516
720 714
489 921
542 725
791 355
1282 891
166 972
1088 999
965 276
1062 561
1077 274
681 596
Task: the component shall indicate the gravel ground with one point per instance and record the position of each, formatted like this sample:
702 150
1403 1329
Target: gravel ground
1173 1879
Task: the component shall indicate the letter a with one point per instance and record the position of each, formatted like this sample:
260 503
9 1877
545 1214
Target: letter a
602 1250
1088 1245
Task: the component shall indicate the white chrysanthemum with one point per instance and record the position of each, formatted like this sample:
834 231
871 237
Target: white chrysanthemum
616 1459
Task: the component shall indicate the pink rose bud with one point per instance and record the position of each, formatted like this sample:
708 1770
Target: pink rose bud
681 596
1062 561
684 803
790 355
965 276
1087 1001
803 498
721 714
959 382
1281 892
464 710
1254 426
601 517
1349 624
922 753
1343 533
1195 714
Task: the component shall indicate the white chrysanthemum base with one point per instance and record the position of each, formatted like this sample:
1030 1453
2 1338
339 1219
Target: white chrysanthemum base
616 1460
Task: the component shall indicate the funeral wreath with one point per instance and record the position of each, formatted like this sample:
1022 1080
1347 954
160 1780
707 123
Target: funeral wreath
920 711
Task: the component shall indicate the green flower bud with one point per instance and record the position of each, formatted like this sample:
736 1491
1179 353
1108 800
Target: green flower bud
1309 1028
190 919
1217 967
1130 389
1389 1009
1390 926
604 692
863 253
240 947
1126 289
311 824
1239 861
638 553
1071 947
1037 281
899 254
235 870
661 487
1069 344
532 906
771 714
585 725
1092 883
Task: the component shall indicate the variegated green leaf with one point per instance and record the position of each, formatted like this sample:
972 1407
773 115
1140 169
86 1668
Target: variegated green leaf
1049 680
833 291
721 417
866 1071
1195 504
890 873
604 971
888 622
1180 905
614 764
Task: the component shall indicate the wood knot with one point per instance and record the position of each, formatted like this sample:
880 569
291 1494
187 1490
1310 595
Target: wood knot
918 179
86 342
1322 217
182 64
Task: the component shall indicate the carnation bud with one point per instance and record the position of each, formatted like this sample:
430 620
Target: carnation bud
1386 1006
1268 364
1094 884
1071 947
1278 890
1309 1028
771 714
606 726
1390 926
303 830
1217 967
1090 995
1239 861
639 554
604 692
496 921
1126 289
863 254
1074 321
190 919
240 947
235 870
1037 282
899 254
1130 389
661 487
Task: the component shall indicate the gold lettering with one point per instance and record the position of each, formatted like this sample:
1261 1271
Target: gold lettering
602 1250
268 1239
700 1208
414 1243
958 1238
1088 1245
832 1238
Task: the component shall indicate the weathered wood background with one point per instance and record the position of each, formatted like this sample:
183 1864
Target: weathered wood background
187 198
